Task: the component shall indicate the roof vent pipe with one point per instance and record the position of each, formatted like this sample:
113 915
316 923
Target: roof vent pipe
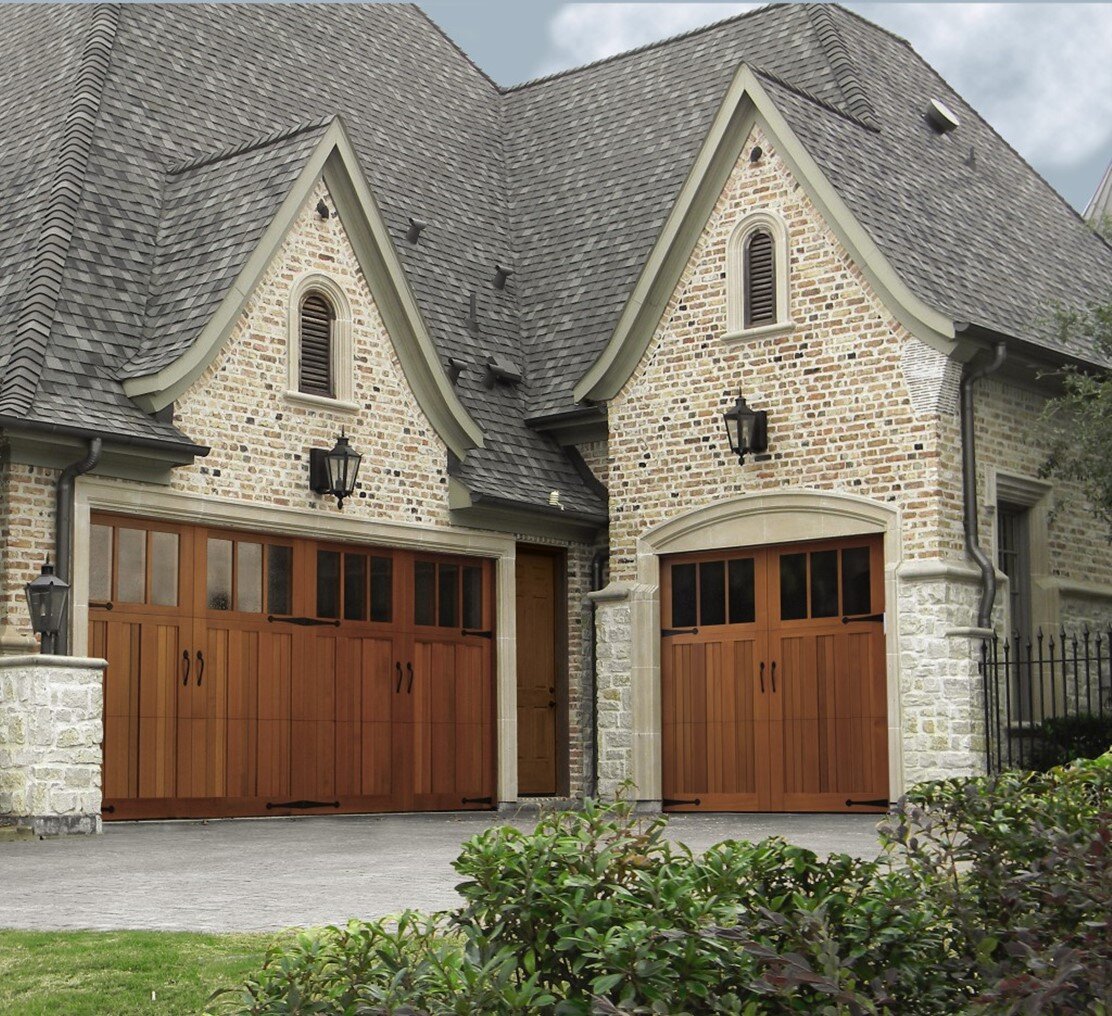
416 226
941 117
501 275
63 530
969 487
473 314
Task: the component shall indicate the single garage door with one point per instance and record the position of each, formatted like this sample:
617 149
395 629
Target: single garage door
774 692
260 675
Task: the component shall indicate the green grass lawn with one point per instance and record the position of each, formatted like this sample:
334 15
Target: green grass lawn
81 973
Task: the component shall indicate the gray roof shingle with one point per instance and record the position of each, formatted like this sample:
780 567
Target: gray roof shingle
204 115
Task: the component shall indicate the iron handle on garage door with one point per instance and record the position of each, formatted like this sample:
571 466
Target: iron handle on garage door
185 667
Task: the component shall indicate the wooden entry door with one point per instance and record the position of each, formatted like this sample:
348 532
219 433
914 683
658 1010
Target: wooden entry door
537 671
254 675
774 689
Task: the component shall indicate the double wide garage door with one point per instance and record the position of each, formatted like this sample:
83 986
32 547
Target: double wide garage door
774 679
258 675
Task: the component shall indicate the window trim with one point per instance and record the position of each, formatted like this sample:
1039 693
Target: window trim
342 398
764 221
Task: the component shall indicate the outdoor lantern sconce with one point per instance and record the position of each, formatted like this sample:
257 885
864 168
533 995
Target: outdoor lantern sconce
334 472
747 429
46 599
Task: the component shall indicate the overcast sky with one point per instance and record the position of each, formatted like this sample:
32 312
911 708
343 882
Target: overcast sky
1041 74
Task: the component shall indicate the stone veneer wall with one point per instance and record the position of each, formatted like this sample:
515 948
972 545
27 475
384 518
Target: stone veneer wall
51 710
941 702
26 541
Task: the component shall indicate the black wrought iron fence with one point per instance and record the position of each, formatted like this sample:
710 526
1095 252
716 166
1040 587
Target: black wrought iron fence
1048 699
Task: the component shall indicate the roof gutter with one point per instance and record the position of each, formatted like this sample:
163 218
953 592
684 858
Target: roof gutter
185 448
969 486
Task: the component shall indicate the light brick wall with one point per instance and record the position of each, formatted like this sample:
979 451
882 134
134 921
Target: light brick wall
260 439
51 712
26 541
597 456
1010 440
841 416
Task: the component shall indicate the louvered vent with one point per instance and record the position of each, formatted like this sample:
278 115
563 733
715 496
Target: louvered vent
315 377
760 281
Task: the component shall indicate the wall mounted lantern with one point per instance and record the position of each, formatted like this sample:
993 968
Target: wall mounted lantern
334 472
747 429
46 600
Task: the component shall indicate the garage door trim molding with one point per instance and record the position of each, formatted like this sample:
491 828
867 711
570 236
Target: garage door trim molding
750 520
145 501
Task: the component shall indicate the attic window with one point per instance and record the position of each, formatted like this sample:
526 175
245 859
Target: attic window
315 366
757 277
321 366
760 279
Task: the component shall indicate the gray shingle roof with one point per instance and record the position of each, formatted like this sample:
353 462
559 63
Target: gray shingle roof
205 113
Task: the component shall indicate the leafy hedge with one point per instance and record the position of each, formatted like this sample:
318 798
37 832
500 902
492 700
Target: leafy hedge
995 895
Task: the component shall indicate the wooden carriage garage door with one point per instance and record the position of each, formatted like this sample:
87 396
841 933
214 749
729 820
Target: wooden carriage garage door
259 675
774 679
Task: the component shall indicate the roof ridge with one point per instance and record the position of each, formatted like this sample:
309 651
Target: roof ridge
250 145
803 93
841 63
656 44
44 282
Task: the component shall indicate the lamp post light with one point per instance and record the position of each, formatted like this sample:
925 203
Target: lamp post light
746 429
334 472
46 600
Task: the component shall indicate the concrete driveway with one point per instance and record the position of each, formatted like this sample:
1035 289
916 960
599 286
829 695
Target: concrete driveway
267 874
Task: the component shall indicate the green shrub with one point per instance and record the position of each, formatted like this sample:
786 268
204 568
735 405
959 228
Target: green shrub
1062 739
995 896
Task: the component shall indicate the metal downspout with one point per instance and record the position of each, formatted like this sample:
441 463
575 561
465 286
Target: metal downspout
63 529
969 487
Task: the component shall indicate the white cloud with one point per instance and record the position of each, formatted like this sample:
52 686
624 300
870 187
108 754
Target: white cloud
582 32
1041 74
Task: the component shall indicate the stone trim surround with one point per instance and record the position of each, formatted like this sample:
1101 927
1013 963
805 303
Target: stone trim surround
51 729
934 704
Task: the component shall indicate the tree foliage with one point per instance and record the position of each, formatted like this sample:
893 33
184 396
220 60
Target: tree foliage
1080 419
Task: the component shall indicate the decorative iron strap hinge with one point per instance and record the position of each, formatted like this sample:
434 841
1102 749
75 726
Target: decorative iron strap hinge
488 634
666 632
301 804
303 621
879 802
851 618
478 800
669 801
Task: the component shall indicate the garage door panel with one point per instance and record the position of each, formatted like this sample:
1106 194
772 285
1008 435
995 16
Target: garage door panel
314 688
784 706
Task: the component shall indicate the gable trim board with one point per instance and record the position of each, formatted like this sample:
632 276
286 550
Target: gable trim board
745 105
333 161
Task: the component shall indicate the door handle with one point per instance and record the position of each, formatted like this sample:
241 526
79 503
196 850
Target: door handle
397 664
762 677
552 704
185 667
200 667
409 687
773 677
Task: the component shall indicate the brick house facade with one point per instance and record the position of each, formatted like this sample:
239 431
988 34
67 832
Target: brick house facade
578 584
